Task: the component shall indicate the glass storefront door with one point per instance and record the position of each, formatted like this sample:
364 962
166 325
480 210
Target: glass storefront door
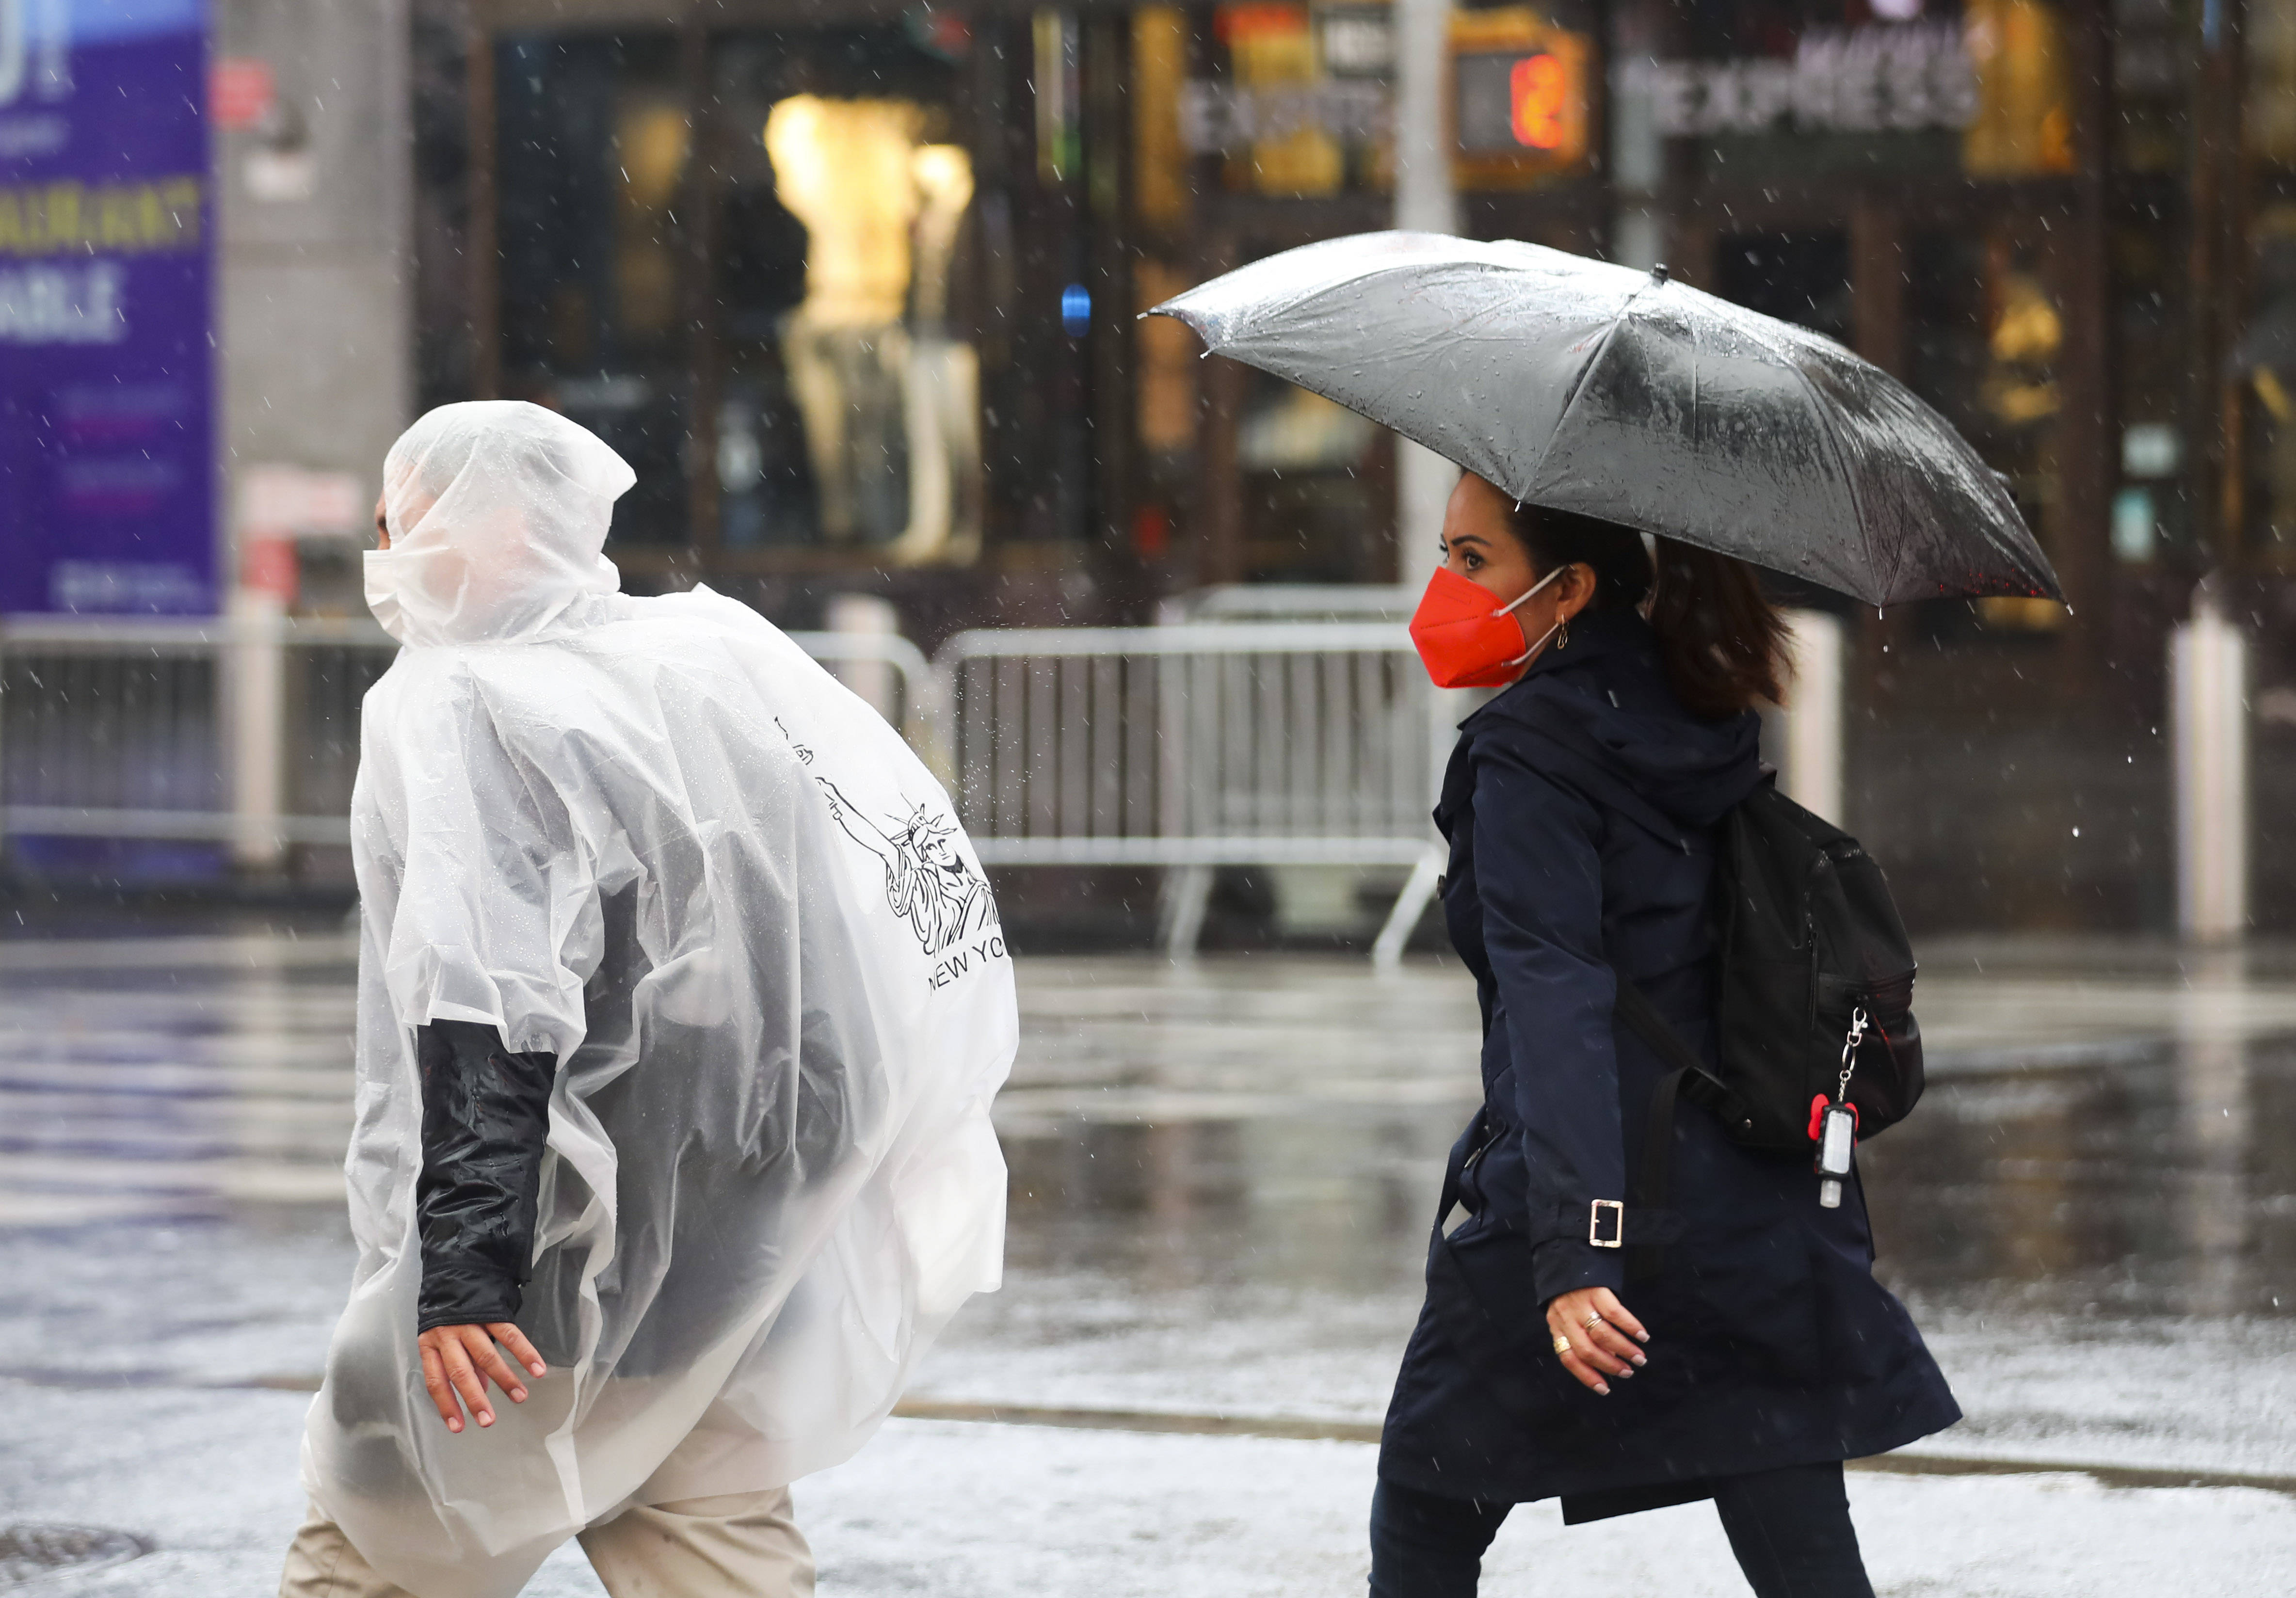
846 411
742 279
1985 339
1801 277
593 147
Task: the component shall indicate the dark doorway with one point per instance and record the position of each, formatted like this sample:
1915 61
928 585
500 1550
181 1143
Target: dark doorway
1800 277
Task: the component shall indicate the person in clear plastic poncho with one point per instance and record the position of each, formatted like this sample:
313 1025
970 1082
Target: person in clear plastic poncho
681 1004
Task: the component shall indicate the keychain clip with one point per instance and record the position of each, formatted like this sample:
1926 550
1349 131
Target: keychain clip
1833 1124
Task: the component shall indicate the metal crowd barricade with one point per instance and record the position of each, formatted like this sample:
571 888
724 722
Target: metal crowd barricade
1186 747
244 730
1199 745
893 674
1300 601
184 729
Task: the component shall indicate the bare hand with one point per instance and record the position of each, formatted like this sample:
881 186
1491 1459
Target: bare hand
1598 1348
457 1360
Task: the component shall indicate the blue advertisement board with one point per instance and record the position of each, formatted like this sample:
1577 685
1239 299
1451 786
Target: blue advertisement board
107 415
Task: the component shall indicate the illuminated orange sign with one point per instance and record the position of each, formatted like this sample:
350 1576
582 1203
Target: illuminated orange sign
1537 94
1519 99
1235 23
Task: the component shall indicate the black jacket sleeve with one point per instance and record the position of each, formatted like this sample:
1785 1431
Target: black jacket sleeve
1538 871
486 1115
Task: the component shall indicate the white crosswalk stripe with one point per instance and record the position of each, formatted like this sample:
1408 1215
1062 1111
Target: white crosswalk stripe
172 1076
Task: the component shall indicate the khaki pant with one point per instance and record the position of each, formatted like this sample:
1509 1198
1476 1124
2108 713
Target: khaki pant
742 1545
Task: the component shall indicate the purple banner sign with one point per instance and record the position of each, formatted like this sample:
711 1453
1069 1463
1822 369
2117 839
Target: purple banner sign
107 430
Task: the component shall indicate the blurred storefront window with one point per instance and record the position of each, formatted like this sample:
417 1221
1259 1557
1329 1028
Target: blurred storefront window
2022 122
1799 276
2152 70
593 148
2264 369
1167 395
1160 156
885 399
848 413
1286 125
1300 100
767 336
1284 121
1985 340
859 296
2262 358
2270 39
1315 499
1821 86
1056 87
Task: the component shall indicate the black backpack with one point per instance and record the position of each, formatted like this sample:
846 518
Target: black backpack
1810 941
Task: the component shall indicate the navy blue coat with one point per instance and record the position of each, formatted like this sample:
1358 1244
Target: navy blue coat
1579 806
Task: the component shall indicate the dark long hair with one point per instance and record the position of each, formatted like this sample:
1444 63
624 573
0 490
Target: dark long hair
1721 641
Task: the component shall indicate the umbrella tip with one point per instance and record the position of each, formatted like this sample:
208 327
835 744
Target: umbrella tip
1659 273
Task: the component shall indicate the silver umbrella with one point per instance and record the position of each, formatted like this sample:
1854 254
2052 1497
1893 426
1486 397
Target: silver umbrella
1615 393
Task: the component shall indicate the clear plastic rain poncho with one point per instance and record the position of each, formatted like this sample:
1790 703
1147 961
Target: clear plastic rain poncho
654 838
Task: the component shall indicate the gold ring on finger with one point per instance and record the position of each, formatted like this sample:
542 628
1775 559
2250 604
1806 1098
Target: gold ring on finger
1562 1344
1591 1322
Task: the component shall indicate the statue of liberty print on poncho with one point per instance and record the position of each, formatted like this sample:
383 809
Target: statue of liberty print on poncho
930 883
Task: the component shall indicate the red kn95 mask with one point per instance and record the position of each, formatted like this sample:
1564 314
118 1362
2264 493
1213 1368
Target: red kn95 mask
1467 638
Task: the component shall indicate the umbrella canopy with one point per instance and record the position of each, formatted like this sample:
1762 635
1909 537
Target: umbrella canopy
1585 387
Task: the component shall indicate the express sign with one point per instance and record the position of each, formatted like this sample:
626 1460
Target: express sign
1895 79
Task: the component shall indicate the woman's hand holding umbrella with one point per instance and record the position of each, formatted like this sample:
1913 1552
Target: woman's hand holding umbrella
1595 1336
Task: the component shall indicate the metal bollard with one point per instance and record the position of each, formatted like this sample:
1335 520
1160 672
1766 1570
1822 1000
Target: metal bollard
254 671
1809 726
866 615
2207 713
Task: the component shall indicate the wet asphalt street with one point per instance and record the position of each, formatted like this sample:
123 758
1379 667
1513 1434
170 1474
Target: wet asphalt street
1223 1175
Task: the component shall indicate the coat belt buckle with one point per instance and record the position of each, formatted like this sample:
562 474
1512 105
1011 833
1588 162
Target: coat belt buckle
1617 1208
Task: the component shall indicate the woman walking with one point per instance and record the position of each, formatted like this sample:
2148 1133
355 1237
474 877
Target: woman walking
1760 1353
661 1094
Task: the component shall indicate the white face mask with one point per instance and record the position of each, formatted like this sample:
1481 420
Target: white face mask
379 577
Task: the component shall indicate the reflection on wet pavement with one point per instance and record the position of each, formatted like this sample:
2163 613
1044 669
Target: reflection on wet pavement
172 1076
1222 1181
2082 1213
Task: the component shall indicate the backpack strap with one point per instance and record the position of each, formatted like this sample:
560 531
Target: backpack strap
1641 1017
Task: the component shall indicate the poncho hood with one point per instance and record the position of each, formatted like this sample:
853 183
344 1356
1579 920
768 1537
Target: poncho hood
498 512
